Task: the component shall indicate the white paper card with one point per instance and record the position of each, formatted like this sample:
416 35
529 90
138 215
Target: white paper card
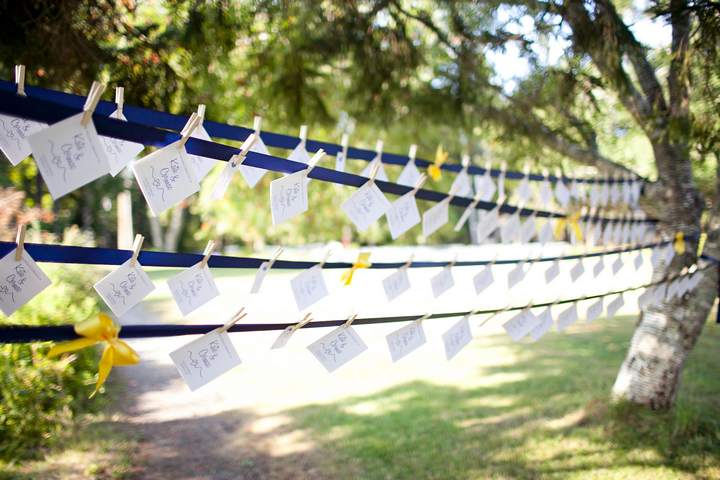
337 347
404 340
457 337
523 190
487 224
252 175
409 175
617 264
14 132
521 324
396 284
309 287
615 305
68 155
166 177
282 340
366 206
461 185
192 288
299 154
434 218
546 233
223 181
545 323
485 186
259 277
595 310
516 275
402 215
552 272
527 230
288 196
201 165
442 281
638 260
124 287
381 175
120 152
510 230
546 193
599 266
577 270
205 359
483 279
562 194
21 281
567 317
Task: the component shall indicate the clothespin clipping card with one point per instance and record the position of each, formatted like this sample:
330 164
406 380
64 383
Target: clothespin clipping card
410 174
205 359
289 195
403 213
252 175
263 270
282 340
367 204
484 278
405 340
377 164
120 152
299 153
436 217
13 138
167 176
195 286
341 157
522 323
233 165
443 281
462 185
127 285
309 286
457 337
22 278
202 165
397 282
83 157
339 346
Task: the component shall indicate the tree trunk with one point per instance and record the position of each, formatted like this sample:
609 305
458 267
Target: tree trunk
666 333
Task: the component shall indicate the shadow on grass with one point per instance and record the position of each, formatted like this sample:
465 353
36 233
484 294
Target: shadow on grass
545 415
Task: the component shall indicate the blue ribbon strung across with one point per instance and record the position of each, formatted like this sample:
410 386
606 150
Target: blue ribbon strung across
110 256
26 334
153 118
50 112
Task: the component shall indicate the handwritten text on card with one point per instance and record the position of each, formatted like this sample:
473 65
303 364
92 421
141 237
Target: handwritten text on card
19 281
205 359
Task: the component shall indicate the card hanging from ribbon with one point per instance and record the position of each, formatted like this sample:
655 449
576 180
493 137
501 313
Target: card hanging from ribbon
14 131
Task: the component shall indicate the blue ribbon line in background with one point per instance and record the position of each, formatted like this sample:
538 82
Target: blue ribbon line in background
110 256
26 334
153 118
50 112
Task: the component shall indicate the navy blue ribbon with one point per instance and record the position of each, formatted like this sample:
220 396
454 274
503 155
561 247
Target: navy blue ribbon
153 118
50 112
26 334
110 256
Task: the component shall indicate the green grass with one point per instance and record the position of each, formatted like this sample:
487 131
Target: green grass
546 416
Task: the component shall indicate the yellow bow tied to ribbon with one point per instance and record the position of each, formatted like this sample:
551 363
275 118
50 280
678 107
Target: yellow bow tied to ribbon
441 157
96 330
363 261
679 244
572 221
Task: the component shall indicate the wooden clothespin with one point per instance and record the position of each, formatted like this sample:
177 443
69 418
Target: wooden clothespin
192 123
306 319
233 320
274 258
526 169
379 150
303 135
419 183
137 245
465 161
374 171
424 317
344 141
452 262
20 79
209 249
409 261
120 99
412 153
20 241
91 102
350 320
322 263
201 112
314 161
239 158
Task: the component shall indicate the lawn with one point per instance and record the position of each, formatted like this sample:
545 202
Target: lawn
545 416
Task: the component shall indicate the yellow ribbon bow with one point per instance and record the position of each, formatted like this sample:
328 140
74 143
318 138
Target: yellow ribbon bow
441 157
572 221
363 261
679 244
96 330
